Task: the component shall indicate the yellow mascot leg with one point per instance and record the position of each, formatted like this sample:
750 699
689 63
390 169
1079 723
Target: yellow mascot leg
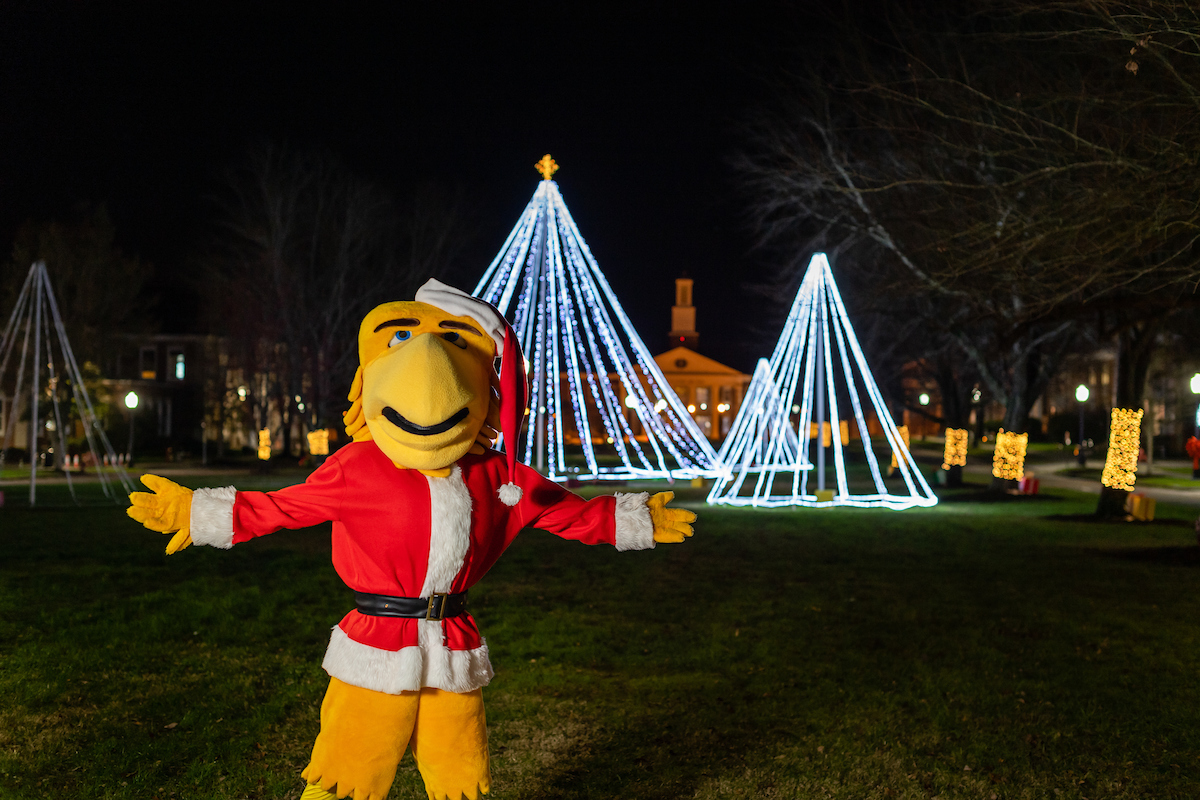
450 744
363 737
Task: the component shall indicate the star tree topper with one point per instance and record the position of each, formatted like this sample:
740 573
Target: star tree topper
547 167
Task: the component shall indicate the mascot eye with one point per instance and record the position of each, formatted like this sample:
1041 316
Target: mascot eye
456 339
398 337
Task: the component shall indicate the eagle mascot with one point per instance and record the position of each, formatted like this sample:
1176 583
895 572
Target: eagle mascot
421 507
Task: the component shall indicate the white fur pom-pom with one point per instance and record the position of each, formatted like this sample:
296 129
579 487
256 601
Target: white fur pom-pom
510 494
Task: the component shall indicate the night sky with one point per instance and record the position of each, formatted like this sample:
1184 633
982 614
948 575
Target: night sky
140 107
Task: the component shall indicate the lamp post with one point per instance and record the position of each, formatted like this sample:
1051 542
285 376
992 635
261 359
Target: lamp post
1081 394
131 402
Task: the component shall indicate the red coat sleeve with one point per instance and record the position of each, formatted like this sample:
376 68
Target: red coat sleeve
547 506
317 500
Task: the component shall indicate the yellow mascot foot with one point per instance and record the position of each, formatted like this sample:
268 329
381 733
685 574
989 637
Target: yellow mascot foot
314 792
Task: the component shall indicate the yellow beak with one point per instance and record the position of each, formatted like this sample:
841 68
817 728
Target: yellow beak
425 401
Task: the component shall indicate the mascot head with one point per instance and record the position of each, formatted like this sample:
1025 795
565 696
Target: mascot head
427 391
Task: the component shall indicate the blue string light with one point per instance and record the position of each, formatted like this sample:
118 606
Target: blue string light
765 444
573 330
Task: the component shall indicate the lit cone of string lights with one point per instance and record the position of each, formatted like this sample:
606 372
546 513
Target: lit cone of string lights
599 406
813 429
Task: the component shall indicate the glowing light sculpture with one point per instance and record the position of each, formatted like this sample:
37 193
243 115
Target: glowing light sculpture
587 364
816 368
1124 438
318 442
1008 459
955 452
52 371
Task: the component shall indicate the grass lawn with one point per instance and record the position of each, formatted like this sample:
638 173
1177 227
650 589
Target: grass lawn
1165 478
979 649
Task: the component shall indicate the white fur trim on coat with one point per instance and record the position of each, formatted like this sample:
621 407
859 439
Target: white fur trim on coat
410 668
212 517
635 530
449 530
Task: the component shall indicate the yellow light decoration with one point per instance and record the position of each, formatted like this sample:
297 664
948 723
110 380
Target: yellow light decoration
827 432
903 431
1008 462
955 454
547 167
318 442
264 444
1120 467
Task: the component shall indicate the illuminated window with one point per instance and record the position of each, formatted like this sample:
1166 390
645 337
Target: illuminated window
147 364
175 360
702 395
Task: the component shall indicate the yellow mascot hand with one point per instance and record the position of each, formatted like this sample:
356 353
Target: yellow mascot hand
670 524
166 508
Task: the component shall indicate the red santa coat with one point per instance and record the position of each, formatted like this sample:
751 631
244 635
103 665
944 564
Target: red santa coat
399 532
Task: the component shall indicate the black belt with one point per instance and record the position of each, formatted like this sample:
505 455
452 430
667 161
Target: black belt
436 607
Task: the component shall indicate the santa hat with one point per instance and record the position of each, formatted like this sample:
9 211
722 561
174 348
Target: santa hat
514 388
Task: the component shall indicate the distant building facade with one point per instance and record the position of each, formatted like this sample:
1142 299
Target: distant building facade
711 391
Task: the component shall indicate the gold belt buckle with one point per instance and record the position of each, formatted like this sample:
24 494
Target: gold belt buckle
441 608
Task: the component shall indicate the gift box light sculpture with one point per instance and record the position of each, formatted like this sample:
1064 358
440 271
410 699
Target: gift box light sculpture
591 377
1120 467
816 371
1008 460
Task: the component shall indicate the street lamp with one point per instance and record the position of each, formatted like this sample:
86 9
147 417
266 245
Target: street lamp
1081 394
131 402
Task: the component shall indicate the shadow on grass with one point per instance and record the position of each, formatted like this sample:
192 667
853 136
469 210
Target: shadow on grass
988 496
1095 519
1188 556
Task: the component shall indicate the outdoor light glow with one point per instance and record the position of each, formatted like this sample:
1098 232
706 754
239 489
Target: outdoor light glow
903 431
691 409
955 454
264 444
318 442
1082 393
585 354
631 401
1008 462
704 406
242 393
817 364
1120 467
923 398
131 400
1196 383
